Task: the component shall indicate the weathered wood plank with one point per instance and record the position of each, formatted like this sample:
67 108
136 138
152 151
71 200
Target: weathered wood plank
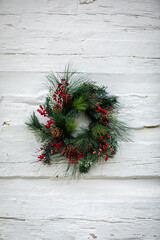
70 229
42 62
30 43
139 158
145 49
146 8
51 7
137 110
120 210
31 83
79 33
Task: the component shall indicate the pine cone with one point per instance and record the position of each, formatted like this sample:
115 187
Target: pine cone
104 119
63 151
68 150
89 146
68 98
56 132
57 107
92 95
90 126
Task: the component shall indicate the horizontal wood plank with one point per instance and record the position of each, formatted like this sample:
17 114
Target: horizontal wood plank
42 62
137 110
139 158
120 210
31 83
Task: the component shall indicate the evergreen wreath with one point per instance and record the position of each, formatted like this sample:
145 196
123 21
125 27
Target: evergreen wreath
69 96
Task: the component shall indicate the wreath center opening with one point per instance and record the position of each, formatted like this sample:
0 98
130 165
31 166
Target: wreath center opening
83 122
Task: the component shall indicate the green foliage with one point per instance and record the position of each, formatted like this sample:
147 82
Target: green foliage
70 125
48 107
98 130
59 118
52 82
34 123
86 162
80 104
41 132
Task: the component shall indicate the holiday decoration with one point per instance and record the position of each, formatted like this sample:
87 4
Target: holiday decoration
56 132
69 96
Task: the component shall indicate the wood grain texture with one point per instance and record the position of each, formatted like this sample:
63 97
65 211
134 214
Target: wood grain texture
107 209
117 44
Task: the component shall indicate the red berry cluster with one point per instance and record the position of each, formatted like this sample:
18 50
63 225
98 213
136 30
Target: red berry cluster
73 159
59 94
41 156
110 108
56 146
49 123
106 158
42 111
104 146
101 110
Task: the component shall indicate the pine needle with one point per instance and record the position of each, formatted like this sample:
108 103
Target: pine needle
80 104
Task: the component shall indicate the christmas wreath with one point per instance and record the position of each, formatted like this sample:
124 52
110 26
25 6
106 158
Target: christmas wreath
69 96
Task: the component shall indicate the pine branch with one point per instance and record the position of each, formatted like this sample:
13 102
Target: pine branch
70 125
98 130
59 118
38 128
33 123
80 104
48 108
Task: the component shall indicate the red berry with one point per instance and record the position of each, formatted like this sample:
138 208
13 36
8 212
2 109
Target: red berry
49 122
106 158
47 125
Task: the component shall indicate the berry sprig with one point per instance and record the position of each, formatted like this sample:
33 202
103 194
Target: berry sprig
60 95
103 147
41 156
42 111
49 123
101 110
56 146
74 158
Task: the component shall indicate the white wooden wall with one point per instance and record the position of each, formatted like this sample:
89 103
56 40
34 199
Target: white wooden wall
117 43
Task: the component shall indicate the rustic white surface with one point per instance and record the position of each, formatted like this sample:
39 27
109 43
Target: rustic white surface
117 44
